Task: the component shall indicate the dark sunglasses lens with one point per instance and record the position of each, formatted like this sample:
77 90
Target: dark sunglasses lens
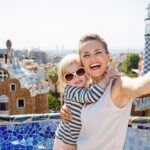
80 72
69 77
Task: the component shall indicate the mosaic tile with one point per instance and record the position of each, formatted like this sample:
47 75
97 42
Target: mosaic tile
40 135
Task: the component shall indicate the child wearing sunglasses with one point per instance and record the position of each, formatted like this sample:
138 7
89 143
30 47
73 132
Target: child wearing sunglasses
74 83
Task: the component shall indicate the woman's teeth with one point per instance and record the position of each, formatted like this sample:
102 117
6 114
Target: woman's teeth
95 66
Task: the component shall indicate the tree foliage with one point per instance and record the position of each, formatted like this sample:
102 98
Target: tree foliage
53 103
53 73
130 62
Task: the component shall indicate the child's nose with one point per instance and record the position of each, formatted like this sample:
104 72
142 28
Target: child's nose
76 76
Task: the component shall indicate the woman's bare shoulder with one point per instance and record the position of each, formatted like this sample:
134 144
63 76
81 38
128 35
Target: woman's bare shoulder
117 94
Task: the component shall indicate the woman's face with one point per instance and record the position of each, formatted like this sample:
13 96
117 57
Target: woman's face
94 58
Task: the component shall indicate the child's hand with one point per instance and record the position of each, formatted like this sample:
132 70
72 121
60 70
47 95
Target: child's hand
112 72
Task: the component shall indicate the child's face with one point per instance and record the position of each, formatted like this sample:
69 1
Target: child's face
76 75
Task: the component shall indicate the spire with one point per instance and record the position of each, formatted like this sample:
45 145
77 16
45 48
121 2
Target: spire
147 22
146 54
7 51
9 54
8 44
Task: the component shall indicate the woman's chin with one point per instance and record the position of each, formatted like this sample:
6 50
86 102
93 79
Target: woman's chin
96 73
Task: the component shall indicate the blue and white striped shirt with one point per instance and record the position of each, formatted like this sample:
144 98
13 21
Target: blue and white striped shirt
75 97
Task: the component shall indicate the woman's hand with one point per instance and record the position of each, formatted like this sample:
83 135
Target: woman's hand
65 113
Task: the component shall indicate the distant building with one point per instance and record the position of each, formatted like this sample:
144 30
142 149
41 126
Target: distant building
27 62
40 57
21 54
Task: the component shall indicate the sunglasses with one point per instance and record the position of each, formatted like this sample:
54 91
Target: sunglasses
70 76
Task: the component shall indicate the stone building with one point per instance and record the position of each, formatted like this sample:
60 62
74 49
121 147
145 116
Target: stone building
22 92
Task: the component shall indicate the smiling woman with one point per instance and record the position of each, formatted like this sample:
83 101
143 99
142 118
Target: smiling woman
94 58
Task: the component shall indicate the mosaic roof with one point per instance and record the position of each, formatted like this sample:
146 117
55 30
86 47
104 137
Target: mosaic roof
27 79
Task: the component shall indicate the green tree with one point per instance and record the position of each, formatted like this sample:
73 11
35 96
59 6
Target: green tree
130 62
53 103
53 76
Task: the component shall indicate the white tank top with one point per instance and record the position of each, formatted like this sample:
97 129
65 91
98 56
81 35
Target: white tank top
104 125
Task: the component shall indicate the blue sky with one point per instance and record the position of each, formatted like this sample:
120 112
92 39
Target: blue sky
45 23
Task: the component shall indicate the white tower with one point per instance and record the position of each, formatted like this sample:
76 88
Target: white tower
146 64
143 102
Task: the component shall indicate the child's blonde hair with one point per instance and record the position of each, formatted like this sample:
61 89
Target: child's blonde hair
65 62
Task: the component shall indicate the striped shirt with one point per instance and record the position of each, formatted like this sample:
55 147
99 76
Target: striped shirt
75 97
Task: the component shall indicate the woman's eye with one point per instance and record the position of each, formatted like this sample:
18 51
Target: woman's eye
98 52
86 55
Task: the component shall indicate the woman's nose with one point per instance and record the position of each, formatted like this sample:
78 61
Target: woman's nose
92 58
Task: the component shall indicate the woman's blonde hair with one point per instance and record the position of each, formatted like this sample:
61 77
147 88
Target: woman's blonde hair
64 63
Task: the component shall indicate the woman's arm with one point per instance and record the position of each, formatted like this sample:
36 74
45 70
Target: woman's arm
126 88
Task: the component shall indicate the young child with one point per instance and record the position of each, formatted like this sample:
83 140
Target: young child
75 85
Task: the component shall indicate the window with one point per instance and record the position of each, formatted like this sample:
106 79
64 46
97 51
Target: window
21 103
3 75
13 87
3 106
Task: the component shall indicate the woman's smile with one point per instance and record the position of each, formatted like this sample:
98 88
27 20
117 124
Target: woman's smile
95 66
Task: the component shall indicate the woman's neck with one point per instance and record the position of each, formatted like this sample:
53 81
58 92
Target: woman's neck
96 79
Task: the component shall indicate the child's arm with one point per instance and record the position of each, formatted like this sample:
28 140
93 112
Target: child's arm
82 95
92 94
